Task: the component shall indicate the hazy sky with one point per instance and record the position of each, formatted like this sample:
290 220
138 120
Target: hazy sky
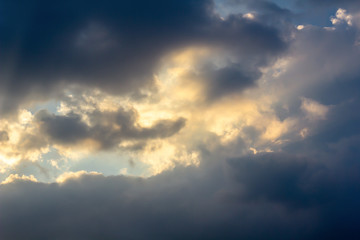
169 119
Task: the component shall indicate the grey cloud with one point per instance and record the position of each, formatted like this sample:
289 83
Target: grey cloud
115 46
272 196
342 123
324 67
64 129
277 178
229 80
310 190
162 129
106 128
301 193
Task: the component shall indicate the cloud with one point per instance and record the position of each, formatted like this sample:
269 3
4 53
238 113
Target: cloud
229 80
241 127
64 129
342 16
313 109
112 46
289 192
15 177
20 141
69 176
107 129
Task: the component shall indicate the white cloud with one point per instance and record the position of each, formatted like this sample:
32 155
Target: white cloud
342 16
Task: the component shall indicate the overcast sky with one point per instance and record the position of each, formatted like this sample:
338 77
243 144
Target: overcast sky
169 119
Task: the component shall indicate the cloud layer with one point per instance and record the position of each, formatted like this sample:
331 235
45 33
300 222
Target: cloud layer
179 120
113 46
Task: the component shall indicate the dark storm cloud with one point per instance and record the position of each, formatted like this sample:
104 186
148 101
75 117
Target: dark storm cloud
307 192
267 196
106 128
115 45
310 190
257 175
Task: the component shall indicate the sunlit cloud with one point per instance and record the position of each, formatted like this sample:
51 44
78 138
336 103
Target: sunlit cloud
15 177
184 114
66 176
342 16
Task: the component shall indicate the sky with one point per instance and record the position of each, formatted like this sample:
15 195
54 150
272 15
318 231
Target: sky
192 119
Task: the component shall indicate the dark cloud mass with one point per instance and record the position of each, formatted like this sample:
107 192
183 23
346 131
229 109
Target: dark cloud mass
230 79
106 128
114 45
287 167
311 193
268 196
